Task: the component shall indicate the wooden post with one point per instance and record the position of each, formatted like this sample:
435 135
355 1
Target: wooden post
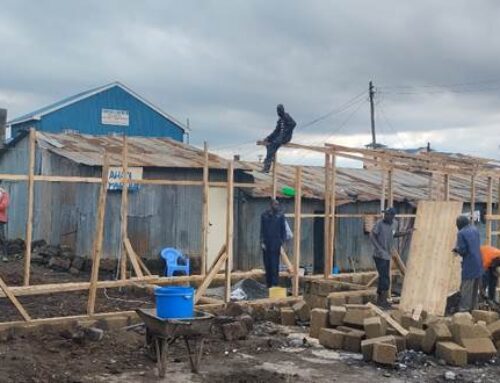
124 209
327 221
31 194
99 232
275 175
205 223
331 242
229 230
382 194
390 190
472 195
297 234
489 210
446 196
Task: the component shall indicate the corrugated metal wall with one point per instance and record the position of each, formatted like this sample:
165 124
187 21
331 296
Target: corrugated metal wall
85 117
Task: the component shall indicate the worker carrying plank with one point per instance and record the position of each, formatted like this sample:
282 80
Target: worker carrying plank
281 135
273 234
468 247
382 238
491 264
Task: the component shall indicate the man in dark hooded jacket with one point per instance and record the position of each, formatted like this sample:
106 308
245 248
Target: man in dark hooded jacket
272 237
281 135
469 248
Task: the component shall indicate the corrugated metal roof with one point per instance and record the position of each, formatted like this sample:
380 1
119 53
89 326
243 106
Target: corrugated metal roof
354 184
142 151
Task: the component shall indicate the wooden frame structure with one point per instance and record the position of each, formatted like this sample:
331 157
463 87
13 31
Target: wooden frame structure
386 161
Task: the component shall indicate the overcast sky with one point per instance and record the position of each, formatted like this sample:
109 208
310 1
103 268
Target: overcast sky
225 65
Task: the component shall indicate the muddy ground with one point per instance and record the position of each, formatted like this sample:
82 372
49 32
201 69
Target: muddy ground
271 353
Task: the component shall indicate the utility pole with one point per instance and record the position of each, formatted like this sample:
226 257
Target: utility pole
371 92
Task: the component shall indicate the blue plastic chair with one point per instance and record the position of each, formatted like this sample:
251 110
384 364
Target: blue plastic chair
171 257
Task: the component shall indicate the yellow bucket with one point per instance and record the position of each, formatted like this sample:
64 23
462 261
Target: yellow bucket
277 292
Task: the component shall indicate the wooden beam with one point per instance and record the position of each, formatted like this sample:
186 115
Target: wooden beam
372 281
98 237
472 196
382 191
14 300
124 210
133 257
275 175
286 260
31 194
399 262
297 234
489 210
205 210
214 269
327 220
46 178
388 319
229 230
390 189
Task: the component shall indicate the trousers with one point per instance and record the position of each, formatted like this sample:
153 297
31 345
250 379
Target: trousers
272 148
3 238
272 266
469 290
382 266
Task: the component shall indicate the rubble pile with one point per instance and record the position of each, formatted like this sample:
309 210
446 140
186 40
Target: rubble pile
458 340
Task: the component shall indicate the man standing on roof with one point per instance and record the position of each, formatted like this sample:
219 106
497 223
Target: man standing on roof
468 247
281 135
491 265
382 238
273 234
4 205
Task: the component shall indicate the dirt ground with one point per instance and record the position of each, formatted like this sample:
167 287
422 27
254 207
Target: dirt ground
272 353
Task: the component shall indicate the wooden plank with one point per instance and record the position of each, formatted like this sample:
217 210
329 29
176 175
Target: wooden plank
432 270
229 230
205 210
399 262
124 211
388 319
214 269
143 266
327 215
417 311
31 194
133 257
14 300
331 226
99 232
489 210
297 235
372 281
286 260
47 178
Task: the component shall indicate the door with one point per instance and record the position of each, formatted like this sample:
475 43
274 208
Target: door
216 223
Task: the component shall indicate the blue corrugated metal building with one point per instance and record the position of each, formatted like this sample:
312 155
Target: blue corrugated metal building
112 108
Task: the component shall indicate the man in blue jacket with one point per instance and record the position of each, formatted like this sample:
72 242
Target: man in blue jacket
272 237
469 248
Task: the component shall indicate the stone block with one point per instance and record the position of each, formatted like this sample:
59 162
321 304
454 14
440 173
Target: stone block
336 315
452 353
370 298
316 301
415 338
319 320
384 353
494 329
397 316
487 316
336 299
356 317
348 329
374 327
400 342
462 318
438 332
331 338
355 299
287 316
479 349
302 311
460 331
367 345
247 321
352 341
480 330
407 321
234 330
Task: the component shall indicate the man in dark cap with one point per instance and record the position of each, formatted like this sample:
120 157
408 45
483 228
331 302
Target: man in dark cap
281 135
469 248
272 236
382 238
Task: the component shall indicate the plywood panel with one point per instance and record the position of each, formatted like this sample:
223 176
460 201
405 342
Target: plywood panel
432 268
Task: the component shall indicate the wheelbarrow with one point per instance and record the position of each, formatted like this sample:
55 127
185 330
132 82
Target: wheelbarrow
161 333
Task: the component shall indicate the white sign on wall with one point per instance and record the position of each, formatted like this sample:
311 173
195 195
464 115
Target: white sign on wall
115 175
114 117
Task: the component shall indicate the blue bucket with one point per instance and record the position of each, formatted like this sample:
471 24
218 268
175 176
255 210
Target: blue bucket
174 302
